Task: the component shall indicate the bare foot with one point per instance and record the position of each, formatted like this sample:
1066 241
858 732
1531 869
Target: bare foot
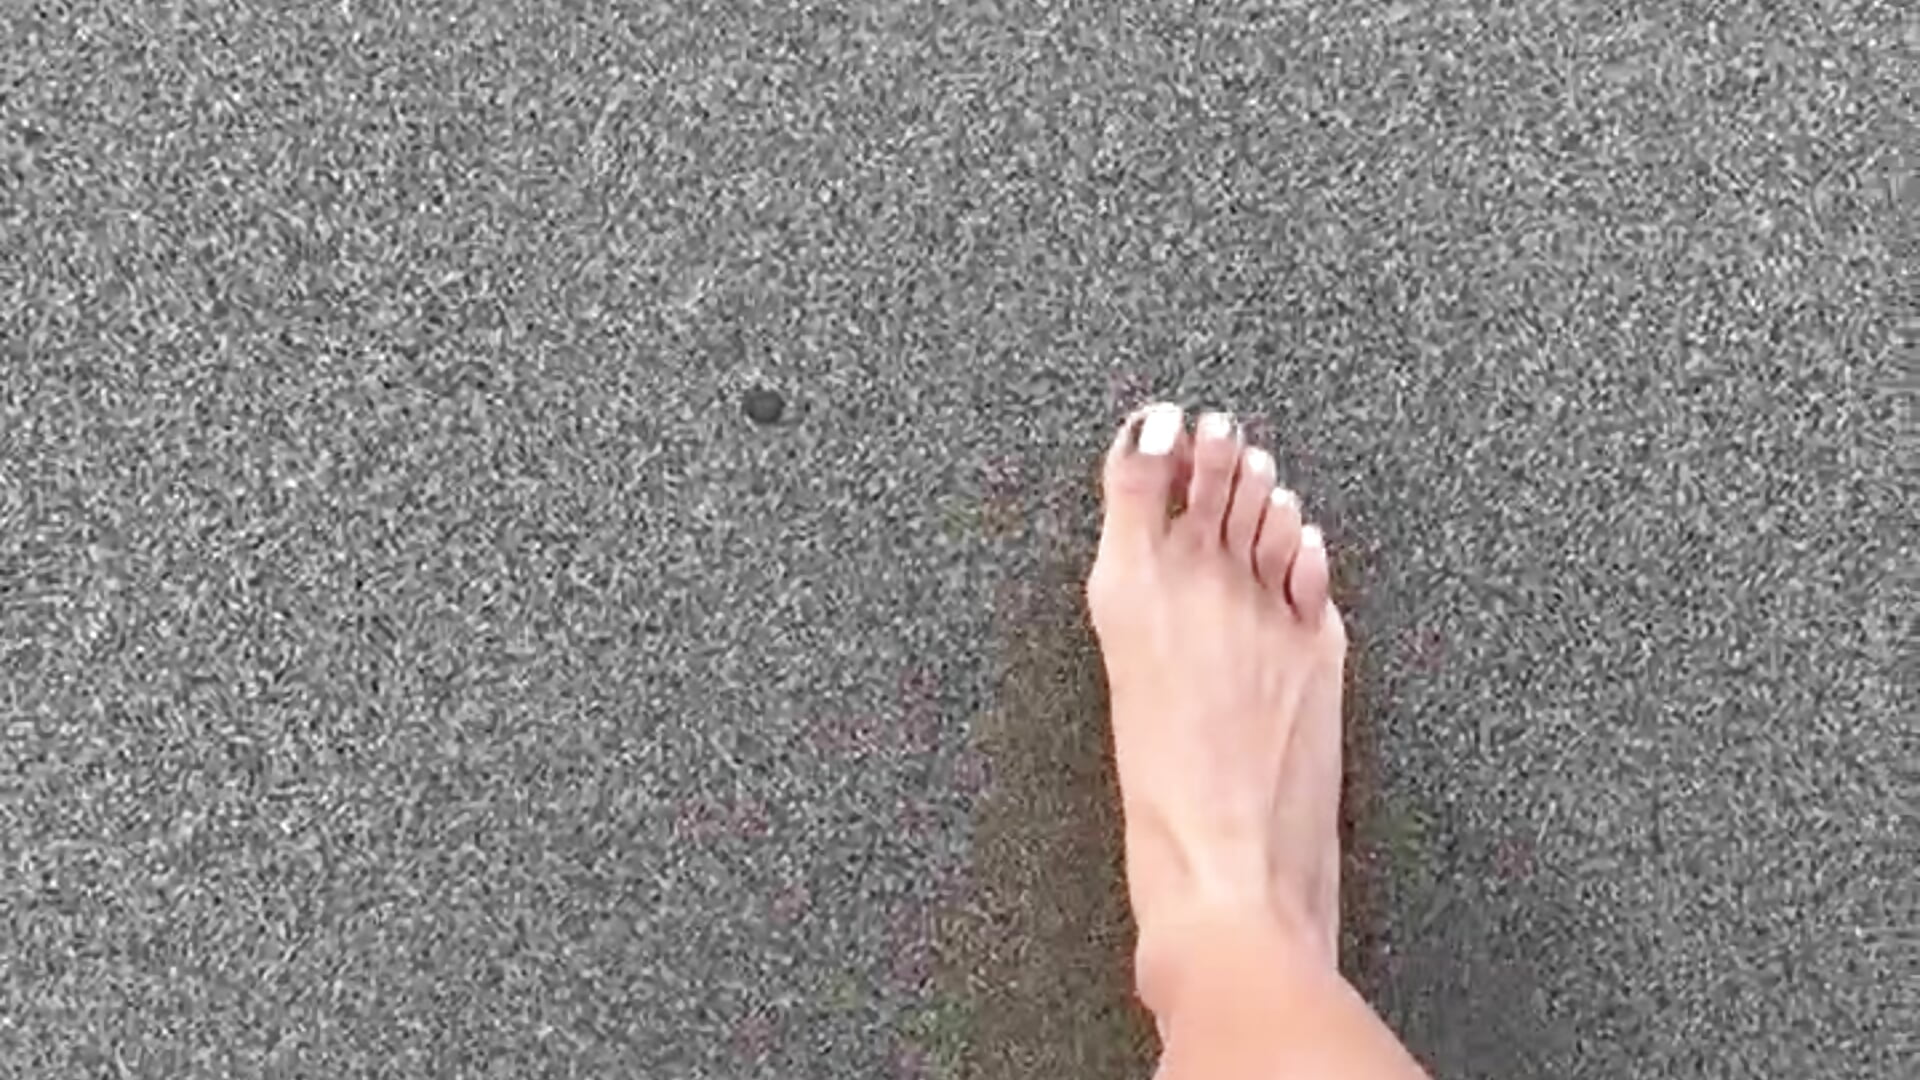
1223 657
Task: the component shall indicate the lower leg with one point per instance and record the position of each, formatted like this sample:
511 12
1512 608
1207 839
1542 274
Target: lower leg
1238 996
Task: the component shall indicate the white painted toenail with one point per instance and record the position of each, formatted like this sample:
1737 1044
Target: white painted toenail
1159 429
1259 462
1310 537
1216 425
1284 497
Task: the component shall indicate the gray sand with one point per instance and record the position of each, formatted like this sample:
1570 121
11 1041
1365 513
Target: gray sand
415 663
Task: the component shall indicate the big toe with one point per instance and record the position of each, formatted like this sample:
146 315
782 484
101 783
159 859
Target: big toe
1142 471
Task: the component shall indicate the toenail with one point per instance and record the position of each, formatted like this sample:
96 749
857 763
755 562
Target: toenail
1260 463
1284 497
1310 537
1159 430
1216 425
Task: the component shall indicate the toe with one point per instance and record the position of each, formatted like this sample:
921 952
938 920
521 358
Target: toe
1216 456
1278 540
1142 468
1307 582
1251 491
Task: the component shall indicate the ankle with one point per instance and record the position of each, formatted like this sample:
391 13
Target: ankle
1179 948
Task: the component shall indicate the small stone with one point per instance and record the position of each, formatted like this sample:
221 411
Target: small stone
763 406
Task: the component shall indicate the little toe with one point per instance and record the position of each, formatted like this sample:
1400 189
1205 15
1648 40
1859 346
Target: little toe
1142 468
1279 538
1252 490
1307 582
1216 456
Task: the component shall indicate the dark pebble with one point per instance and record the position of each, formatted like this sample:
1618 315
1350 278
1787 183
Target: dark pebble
763 406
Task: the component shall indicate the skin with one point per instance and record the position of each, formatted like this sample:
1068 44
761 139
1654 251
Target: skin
1224 656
